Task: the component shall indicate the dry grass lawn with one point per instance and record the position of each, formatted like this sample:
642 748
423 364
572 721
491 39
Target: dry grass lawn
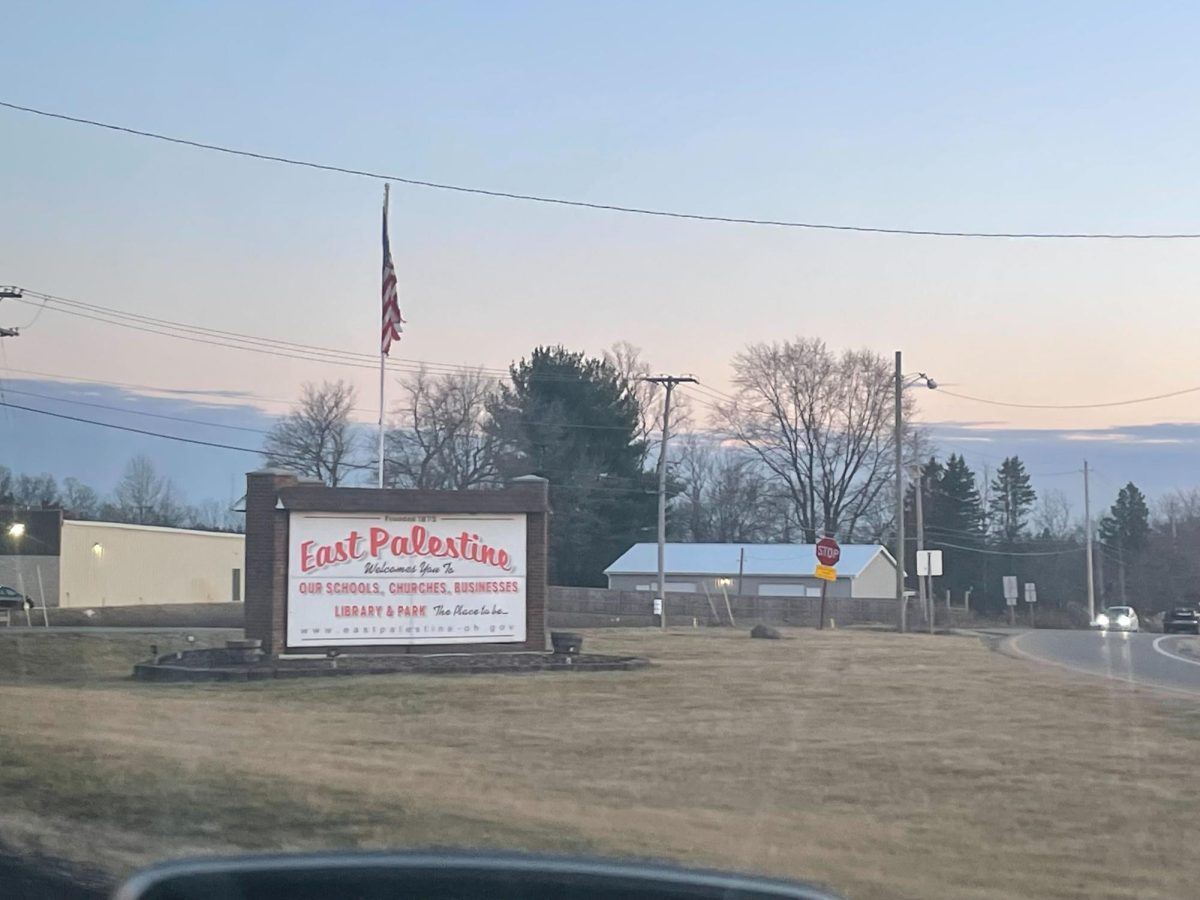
881 765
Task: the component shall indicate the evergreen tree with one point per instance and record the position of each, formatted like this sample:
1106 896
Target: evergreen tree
574 421
1011 501
1127 526
953 515
1125 532
959 509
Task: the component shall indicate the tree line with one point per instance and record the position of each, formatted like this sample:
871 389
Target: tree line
141 497
999 525
803 446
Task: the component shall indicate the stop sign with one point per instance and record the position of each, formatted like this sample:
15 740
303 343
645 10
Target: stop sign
828 551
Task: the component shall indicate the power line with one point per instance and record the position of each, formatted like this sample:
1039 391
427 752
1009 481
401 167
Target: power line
239 399
137 412
581 204
258 452
712 394
267 346
157 434
238 396
270 343
1104 405
1006 553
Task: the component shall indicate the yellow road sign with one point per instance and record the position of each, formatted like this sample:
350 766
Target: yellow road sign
827 573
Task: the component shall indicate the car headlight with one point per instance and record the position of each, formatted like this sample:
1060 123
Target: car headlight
1102 619
1123 620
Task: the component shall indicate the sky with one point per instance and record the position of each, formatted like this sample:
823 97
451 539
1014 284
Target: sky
1013 117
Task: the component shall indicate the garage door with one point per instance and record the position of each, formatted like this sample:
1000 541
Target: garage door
788 590
680 587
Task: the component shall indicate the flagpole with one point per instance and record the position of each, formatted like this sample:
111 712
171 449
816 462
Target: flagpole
382 362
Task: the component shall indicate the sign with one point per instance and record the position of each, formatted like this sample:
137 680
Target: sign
929 562
1030 592
826 573
1010 587
828 552
369 580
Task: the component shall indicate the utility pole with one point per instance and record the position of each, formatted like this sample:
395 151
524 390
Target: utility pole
921 594
741 568
8 292
898 439
1091 574
669 382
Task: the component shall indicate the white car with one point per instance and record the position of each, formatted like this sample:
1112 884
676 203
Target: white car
1117 618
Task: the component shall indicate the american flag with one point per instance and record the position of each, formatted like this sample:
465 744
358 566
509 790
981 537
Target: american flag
393 322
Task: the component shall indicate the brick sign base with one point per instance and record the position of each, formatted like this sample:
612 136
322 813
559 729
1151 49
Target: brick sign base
273 496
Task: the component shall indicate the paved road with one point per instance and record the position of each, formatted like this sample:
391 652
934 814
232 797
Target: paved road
1151 659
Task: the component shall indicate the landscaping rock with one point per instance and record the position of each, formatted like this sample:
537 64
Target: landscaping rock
765 631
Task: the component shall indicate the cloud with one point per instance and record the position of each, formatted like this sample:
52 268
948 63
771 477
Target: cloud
1116 436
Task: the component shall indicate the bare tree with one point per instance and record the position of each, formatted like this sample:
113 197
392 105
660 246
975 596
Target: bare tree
440 439
693 468
213 515
79 500
143 497
738 495
626 360
1179 506
317 438
1052 518
35 491
820 424
725 493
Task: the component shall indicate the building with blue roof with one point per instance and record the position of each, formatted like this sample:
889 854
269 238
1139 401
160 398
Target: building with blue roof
762 570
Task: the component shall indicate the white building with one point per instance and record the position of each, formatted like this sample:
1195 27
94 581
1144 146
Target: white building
762 570
89 564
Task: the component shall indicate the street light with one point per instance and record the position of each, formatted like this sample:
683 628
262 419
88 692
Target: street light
903 384
16 530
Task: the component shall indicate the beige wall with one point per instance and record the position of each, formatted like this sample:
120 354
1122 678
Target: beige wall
135 564
877 580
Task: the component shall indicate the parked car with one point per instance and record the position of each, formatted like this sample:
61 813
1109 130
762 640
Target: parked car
1118 618
10 598
1182 620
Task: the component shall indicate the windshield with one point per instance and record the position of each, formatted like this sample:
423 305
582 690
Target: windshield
784 413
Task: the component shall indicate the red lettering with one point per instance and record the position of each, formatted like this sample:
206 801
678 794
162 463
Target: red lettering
379 539
306 560
418 541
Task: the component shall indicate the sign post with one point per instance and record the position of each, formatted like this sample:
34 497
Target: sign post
929 564
1030 600
1010 597
828 554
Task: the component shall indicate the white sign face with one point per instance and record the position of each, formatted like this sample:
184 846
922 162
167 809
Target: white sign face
1030 592
929 562
1010 588
371 580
